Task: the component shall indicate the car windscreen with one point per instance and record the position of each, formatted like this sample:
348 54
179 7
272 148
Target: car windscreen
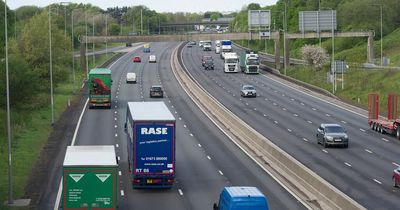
334 129
158 89
249 88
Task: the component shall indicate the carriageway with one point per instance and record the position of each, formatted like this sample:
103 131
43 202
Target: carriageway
230 36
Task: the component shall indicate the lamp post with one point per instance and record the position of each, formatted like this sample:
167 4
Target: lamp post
94 57
106 36
284 38
72 47
86 46
51 70
10 195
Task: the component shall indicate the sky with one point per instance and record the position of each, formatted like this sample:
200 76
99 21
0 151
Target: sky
158 5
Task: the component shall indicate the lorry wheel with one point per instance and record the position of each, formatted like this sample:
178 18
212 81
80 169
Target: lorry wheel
398 132
394 182
371 125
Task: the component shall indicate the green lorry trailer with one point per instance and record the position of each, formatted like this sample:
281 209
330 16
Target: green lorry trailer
100 88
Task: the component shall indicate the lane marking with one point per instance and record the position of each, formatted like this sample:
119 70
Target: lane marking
295 115
362 130
289 130
276 122
220 172
184 126
180 118
309 121
116 145
385 139
122 193
395 164
120 173
375 180
191 134
325 151
119 158
304 139
180 192
284 109
264 115
347 164
344 122
116 134
369 151
302 103
199 145
328 115
314 109
115 118
209 157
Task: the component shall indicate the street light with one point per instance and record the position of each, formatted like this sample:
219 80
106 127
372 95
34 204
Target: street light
10 196
380 5
51 70
94 58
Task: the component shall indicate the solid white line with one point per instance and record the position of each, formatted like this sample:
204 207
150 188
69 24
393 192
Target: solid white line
395 164
58 198
309 121
191 134
220 172
122 193
369 151
385 139
304 139
83 84
362 130
348 164
325 151
120 173
209 157
199 145
180 192
116 145
377 181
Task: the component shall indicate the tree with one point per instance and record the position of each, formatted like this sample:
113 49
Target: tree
254 6
113 29
314 55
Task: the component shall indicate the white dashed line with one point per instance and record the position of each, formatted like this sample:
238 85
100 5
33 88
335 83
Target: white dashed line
266 99
115 126
208 157
116 96
116 145
369 151
395 164
314 109
304 139
385 139
274 104
375 180
199 145
264 115
295 115
284 109
292 99
362 130
115 106
116 135
119 158
325 151
347 164
255 109
122 193
344 122
289 130
328 115
302 104
247 104
276 122
309 121
180 192
120 173
115 118
115 112
191 134
180 118
176 112
184 126
220 172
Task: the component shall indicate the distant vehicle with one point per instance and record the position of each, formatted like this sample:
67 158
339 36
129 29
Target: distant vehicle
86 168
152 59
146 48
136 59
100 88
201 43
248 91
128 44
332 134
131 77
192 43
231 62
150 130
132 34
249 62
156 91
207 46
209 64
226 47
241 198
189 46
396 177
217 46
204 58
389 125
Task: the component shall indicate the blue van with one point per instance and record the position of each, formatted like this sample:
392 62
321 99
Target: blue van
241 198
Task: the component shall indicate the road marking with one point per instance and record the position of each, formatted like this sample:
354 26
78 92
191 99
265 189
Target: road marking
284 109
375 180
283 95
369 151
255 109
325 151
116 135
385 139
266 99
292 99
220 172
289 130
119 158
116 101
115 112
116 96
362 130
328 115
295 115
247 104
115 106
117 92
347 164
209 157
314 109
264 115
180 118
116 145
176 112
169 101
115 126
180 192
191 134
115 118
274 104
304 139
276 122
395 164
344 122
120 173
309 121
302 103
199 145
184 126
122 193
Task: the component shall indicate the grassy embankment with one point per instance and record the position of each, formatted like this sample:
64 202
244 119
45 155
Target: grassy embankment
30 129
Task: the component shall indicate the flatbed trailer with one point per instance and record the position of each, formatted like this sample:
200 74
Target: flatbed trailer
390 125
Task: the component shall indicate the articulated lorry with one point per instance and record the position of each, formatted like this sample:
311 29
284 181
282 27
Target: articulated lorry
150 129
90 178
100 88
241 198
231 62
390 125
249 62
226 47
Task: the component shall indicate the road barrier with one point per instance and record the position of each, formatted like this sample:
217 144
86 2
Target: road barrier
309 188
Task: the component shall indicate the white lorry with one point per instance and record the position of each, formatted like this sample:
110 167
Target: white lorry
231 62
207 45
226 46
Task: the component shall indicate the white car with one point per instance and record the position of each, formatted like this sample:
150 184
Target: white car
152 59
248 91
131 77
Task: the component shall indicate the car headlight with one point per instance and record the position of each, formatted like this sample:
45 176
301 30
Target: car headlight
346 136
330 138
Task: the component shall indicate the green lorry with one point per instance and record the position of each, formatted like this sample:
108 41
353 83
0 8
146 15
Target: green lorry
90 178
100 88
249 62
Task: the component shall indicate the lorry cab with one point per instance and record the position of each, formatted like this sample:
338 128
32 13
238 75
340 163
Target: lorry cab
241 198
231 62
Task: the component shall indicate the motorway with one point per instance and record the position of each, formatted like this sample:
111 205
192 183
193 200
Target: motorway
290 117
206 159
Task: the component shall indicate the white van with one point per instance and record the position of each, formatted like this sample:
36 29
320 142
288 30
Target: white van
152 59
131 77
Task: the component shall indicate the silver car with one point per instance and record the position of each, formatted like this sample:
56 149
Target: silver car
248 91
332 134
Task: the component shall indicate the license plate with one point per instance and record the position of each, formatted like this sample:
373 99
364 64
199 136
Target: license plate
338 139
149 181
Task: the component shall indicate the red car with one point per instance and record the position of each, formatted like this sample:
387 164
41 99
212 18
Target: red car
396 177
136 59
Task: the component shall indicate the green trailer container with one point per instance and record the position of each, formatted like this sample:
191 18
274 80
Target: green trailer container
90 178
100 88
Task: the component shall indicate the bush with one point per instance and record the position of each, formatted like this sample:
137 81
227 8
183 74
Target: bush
314 55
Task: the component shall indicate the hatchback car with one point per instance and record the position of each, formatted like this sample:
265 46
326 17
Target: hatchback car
131 77
396 177
156 91
136 59
332 134
248 91
204 58
152 59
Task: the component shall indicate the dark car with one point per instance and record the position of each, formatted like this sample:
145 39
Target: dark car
156 91
332 134
204 58
209 64
396 177
136 59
